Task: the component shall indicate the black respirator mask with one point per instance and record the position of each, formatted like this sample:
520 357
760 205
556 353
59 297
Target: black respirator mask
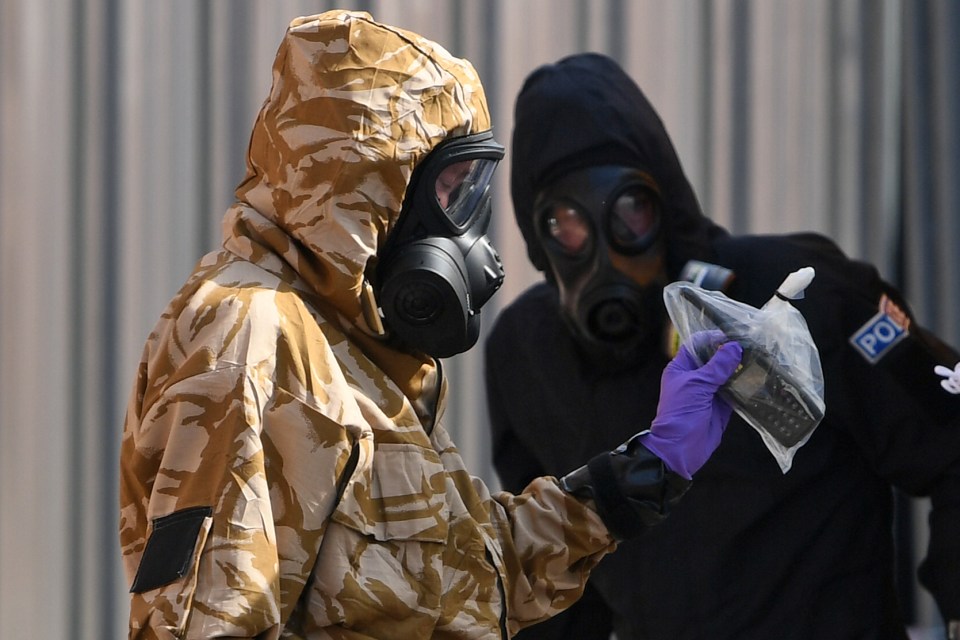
437 267
579 219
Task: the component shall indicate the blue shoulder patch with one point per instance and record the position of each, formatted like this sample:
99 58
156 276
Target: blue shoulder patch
878 336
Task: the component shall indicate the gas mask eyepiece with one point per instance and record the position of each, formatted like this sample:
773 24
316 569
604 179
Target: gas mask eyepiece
591 222
633 222
437 267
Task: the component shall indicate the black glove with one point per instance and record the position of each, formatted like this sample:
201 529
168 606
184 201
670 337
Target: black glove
630 486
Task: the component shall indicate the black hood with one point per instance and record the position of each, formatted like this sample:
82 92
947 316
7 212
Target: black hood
584 111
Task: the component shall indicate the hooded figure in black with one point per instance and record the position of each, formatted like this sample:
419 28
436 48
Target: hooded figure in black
751 553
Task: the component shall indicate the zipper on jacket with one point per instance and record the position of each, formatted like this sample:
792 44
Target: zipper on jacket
503 593
348 470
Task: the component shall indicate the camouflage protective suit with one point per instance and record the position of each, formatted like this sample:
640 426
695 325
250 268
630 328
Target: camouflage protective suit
283 470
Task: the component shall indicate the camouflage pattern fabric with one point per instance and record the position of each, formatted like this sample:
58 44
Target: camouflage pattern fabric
284 471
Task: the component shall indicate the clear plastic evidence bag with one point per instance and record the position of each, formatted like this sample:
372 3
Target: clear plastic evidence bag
778 387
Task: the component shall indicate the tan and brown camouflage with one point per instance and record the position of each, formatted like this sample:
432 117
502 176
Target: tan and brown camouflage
266 372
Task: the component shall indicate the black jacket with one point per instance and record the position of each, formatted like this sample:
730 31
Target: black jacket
749 552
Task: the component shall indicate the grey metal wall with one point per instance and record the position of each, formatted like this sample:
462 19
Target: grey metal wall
123 126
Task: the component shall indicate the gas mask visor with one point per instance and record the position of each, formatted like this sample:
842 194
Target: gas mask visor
437 267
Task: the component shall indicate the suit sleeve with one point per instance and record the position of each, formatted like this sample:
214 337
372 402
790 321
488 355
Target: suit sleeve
905 423
550 542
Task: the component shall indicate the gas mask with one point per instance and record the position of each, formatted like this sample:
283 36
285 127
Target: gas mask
437 267
586 221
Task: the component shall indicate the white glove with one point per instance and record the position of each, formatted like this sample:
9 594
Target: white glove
951 381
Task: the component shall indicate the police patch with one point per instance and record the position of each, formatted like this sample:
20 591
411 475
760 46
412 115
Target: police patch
881 332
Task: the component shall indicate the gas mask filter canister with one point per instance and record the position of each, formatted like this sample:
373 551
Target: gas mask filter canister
437 267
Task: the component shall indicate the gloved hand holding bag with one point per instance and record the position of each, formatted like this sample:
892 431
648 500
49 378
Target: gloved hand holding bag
691 418
634 485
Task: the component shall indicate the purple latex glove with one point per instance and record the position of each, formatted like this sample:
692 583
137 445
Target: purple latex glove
691 417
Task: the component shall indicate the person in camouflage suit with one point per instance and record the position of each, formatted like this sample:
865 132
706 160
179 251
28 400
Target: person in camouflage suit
284 473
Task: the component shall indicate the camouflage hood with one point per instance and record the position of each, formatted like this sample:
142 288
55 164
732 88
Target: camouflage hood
604 118
354 106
